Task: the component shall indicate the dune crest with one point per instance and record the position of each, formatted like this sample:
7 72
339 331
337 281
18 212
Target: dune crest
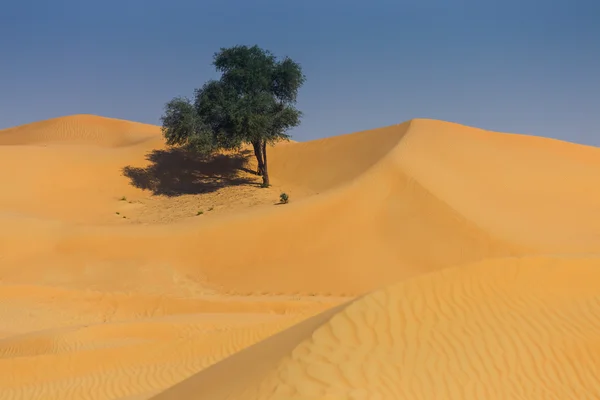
80 129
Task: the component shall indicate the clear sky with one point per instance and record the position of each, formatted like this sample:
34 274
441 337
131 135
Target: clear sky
516 66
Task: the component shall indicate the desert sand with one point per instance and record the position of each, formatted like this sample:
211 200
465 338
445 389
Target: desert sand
424 260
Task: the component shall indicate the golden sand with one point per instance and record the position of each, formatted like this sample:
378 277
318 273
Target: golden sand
425 260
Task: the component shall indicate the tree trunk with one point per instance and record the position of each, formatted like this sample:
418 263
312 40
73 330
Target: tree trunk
259 157
265 174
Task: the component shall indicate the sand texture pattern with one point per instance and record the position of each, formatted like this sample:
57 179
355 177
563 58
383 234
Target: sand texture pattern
424 260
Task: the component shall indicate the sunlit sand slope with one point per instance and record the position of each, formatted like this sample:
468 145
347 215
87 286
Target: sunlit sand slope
530 190
80 129
323 164
501 329
70 168
98 345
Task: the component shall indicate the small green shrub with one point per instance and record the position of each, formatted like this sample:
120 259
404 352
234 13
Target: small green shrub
200 212
284 198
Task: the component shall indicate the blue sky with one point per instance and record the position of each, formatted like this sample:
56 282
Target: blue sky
516 66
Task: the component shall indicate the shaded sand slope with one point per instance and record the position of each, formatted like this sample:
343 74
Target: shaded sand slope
516 328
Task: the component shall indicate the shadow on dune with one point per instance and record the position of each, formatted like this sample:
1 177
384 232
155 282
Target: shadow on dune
175 172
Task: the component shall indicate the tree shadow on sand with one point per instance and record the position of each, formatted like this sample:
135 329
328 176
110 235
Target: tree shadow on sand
175 172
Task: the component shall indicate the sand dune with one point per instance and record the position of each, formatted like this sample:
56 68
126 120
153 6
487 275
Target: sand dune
126 267
500 329
80 129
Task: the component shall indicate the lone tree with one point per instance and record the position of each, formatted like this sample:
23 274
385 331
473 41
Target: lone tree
253 102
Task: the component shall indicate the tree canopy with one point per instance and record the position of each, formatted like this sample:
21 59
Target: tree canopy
253 102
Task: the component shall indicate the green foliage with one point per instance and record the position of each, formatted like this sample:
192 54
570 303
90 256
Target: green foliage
182 126
200 212
252 102
284 198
